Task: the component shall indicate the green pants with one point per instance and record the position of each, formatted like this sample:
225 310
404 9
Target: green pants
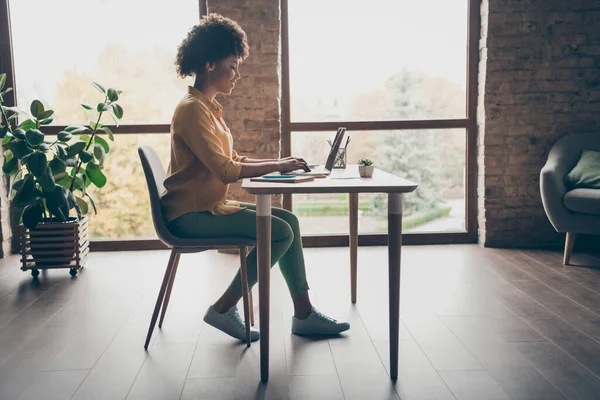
286 242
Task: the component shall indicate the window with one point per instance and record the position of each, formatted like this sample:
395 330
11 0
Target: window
130 45
397 74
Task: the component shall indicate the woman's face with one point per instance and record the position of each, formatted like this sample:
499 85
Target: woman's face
224 74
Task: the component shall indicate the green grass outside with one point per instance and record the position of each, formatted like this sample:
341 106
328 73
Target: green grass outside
339 208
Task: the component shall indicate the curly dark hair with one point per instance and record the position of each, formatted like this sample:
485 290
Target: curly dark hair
215 38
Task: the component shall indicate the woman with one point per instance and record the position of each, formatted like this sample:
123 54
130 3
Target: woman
202 165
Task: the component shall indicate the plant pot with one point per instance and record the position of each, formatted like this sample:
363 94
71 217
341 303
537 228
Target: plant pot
54 244
366 171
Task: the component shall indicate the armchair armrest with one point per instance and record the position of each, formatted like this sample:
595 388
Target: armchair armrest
552 186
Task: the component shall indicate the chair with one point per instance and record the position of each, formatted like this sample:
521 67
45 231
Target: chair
155 176
576 211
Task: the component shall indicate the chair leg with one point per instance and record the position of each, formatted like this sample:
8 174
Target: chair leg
161 295
569 242
169 288
244 274
251 304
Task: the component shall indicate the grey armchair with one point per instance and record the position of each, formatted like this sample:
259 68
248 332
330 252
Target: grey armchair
575 211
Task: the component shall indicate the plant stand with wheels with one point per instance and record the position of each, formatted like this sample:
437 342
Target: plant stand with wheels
52 245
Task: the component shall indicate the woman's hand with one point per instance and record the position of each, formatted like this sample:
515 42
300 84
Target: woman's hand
292 163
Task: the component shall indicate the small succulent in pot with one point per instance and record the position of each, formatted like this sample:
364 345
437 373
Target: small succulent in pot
49 175
365 167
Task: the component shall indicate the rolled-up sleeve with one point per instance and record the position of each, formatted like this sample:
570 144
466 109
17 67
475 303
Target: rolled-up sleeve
236 157
198 133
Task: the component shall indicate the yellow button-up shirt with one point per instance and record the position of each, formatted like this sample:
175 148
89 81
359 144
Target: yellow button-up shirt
203 161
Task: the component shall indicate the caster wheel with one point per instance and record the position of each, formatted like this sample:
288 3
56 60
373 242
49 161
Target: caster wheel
73 272
35 273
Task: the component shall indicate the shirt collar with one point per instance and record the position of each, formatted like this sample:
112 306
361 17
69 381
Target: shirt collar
213 105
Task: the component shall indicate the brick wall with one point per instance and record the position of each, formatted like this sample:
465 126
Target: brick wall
540 81
252 111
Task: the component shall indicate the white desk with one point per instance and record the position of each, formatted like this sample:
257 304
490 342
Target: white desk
381 182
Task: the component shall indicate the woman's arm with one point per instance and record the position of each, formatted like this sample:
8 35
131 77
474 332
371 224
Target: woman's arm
262 167
259 160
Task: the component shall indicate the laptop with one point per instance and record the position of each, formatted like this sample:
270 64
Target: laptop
325 170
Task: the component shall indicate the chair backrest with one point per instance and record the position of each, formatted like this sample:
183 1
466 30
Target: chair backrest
155 176
568 148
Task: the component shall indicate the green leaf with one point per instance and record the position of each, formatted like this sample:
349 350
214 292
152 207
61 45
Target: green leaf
64 136
46 121
101 107
7 91
61 152
34 137
118 110
14 116
34 197
95 174
19 134
47 181
70 161
37 164
99 87
57 203
86 156
75 148
64 180
81 182
7 138
19 148
3 130
99 153
47 114
102 142
92 202
113 95
9 165
36 108
87 106
2 80
95 125
43 147
109 133
24 189
114 118
27 125
76 129
8 154
33 214
57 166
83 205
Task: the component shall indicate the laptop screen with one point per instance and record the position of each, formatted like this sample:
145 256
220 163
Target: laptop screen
337 142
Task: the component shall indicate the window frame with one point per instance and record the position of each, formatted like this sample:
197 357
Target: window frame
7 64
469 124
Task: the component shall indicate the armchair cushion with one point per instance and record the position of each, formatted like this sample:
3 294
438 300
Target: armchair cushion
583 201
586 173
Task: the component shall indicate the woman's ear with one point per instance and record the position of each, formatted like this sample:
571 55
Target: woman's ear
210 66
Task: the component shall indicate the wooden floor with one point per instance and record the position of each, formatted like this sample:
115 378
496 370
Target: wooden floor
476 324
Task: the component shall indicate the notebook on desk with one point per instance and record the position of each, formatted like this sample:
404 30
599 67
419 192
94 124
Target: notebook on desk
283 178
325 170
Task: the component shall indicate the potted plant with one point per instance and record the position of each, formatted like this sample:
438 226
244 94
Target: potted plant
49 177
365 167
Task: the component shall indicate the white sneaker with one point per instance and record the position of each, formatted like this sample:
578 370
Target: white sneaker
231 323
318 324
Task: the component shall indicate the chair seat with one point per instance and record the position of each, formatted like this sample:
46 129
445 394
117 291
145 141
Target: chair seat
210 242
583 201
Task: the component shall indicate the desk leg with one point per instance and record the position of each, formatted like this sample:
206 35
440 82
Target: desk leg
353 244
395 205
263 248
